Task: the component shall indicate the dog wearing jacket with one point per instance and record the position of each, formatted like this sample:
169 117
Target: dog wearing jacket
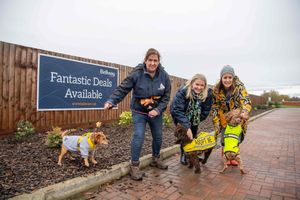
194 148
85 144
231 140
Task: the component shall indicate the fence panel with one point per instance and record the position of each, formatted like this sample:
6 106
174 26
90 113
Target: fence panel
258 100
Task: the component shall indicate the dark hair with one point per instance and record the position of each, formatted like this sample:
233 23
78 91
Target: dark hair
219 86
150 52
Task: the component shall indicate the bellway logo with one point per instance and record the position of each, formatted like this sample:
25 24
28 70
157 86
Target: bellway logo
161 87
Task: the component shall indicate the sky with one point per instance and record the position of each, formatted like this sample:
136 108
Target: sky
260 39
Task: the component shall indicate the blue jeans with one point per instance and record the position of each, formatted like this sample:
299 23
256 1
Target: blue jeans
139 123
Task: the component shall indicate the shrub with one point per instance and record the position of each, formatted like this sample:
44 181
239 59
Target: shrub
125 118
264 106
167 120
271 103
24 130
258 106
114 123
277 104
54 139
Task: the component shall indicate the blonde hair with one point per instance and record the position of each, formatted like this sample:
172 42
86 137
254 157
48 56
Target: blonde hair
202 95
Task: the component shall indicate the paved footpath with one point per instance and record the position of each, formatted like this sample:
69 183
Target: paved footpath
271 155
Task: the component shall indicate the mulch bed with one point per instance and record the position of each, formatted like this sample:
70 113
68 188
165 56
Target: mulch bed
29 165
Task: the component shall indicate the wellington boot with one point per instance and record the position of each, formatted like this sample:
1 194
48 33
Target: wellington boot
183 160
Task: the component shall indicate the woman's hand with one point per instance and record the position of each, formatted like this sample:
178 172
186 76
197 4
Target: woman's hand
107 105
153 113
217 130
190 134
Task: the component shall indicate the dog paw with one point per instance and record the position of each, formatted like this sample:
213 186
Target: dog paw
94 162
243 172
222 171
203 162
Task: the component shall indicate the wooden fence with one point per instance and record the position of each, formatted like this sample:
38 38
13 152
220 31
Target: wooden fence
291 103
18 92
258 100
18 89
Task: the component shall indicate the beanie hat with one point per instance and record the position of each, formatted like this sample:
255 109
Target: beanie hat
227 69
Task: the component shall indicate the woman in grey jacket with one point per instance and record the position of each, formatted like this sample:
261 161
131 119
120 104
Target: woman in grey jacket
190 106
151 93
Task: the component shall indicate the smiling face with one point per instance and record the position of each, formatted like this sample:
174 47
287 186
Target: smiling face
198 86
227 80
152 63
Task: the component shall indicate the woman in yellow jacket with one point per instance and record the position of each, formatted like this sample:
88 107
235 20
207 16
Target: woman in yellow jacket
228 94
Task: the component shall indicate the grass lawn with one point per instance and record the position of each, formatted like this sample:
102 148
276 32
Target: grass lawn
286 106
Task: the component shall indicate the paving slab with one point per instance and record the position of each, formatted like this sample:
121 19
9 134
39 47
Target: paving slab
271 157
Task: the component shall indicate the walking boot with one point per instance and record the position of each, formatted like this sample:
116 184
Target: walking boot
135 172
157 162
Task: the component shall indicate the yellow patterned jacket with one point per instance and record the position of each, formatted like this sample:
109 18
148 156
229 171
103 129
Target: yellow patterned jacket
238 99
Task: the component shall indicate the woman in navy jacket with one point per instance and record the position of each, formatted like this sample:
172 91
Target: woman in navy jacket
190 106
151 88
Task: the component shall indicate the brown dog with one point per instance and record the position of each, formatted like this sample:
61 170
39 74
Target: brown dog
86 144
231 139
192 156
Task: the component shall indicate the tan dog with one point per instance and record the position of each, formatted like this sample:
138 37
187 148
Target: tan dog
192 156
231 139
85 144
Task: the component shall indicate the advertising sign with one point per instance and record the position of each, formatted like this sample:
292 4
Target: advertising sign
65 84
